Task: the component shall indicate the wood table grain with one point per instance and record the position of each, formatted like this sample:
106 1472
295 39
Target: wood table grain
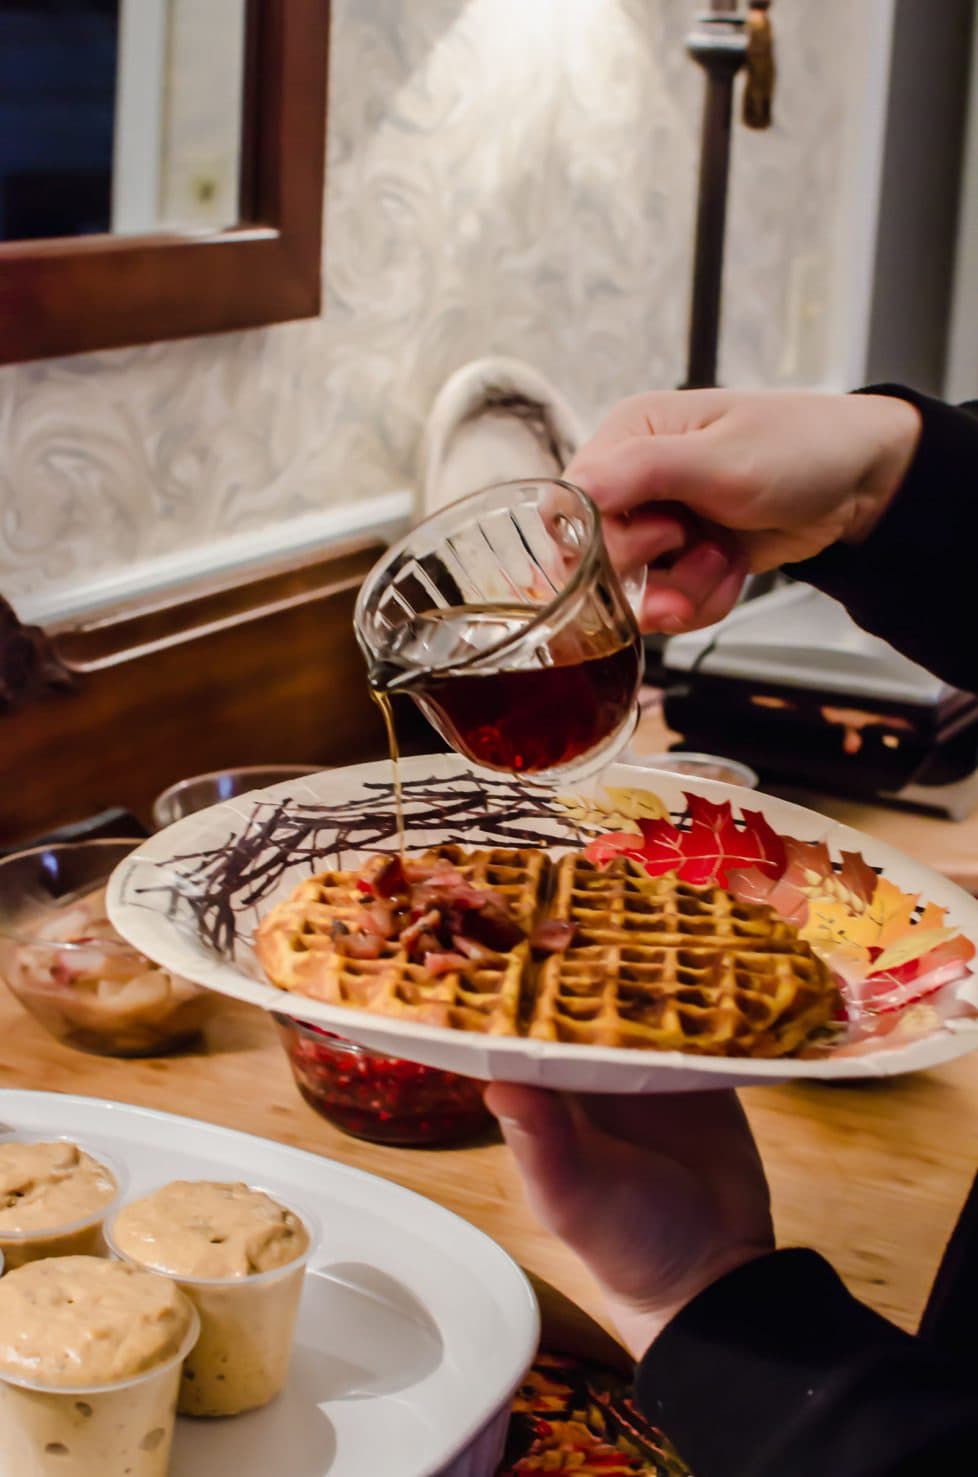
870 1174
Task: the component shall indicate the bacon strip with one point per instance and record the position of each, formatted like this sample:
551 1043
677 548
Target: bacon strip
443 963
552 936
433 911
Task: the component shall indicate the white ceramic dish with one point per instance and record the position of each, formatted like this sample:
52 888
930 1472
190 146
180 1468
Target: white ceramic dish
414 1329
191 896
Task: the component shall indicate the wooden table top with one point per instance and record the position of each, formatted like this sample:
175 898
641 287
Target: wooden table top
871 1175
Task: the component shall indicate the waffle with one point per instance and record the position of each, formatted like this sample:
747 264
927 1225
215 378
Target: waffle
295 946
658 964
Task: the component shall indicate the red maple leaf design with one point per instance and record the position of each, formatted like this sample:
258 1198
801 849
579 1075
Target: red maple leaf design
786 893
713 847
750 859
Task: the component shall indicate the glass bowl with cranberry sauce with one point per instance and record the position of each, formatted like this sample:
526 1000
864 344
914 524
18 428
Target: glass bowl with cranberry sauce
381 1098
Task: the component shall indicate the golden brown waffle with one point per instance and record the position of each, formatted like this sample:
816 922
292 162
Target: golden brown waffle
295 946
657 963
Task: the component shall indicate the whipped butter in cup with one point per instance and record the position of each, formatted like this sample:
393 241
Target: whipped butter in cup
240 1256
90 1358
54 1198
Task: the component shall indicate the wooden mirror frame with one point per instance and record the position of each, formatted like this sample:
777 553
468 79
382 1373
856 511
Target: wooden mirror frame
73 295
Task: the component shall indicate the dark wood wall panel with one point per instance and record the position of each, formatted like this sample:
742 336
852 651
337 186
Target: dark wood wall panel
262 671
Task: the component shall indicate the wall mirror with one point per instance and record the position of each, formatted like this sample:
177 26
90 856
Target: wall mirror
161 169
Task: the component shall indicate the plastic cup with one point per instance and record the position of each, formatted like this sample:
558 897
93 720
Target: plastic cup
49 1430
247 1328
81 1236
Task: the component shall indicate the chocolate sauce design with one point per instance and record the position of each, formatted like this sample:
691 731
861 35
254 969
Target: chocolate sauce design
211 889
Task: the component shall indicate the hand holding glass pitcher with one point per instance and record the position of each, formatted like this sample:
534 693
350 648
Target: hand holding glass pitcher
502 617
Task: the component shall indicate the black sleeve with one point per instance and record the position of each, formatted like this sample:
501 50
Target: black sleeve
777 1371
914 581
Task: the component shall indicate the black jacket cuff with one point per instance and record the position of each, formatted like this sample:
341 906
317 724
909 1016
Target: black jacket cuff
911 581
736 1376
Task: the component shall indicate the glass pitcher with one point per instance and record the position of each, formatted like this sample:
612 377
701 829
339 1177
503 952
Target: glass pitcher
503 619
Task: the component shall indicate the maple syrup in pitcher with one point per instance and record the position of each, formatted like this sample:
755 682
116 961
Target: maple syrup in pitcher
563 697
502 617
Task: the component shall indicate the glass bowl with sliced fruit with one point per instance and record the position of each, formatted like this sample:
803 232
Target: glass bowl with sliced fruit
69 968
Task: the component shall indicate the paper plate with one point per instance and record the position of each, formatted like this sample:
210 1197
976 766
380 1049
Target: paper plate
901 938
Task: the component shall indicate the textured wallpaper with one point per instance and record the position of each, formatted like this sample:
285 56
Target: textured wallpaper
505 176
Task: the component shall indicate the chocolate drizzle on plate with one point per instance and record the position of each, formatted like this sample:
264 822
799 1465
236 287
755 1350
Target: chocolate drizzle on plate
215 885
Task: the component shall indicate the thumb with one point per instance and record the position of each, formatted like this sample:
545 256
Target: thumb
690 469
542 1132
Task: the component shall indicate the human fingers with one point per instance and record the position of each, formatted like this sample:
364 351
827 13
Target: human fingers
642 538
549 1133
645 1216
655 413
693 469
701 587
724 596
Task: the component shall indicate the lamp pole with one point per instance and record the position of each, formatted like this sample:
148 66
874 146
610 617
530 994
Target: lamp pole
719 45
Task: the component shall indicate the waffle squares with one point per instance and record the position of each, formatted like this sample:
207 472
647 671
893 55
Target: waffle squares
296 945
659 964
650 962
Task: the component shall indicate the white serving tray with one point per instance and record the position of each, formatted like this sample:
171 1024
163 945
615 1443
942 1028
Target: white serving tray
191 896
414 1329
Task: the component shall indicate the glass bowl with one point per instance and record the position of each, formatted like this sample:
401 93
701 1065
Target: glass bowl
380 1098
70 969
203 790
700 766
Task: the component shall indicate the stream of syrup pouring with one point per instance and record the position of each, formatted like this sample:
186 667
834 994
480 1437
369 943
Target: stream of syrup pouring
382 699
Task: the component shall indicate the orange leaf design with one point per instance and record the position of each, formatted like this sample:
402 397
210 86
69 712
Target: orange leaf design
914 944
836 931
891 912
811 861
887 920
932 917
887 956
